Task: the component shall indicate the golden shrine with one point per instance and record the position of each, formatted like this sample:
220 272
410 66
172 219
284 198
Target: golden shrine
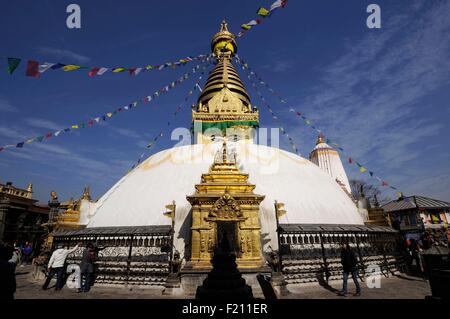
69 218
224 208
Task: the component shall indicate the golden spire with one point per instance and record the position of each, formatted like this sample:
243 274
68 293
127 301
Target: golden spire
224 80
224 102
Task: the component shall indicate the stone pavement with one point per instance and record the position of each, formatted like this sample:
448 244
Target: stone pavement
396 287
399 286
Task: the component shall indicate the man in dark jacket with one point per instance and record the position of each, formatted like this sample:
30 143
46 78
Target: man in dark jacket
7 274
87 266
349 263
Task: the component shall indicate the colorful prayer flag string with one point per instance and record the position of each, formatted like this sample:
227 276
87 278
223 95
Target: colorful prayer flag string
300 115
169 123
274 116
35 68
263 13
108 115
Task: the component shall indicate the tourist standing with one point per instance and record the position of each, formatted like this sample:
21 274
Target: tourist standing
349 265
87 266
7 274
26 252
56 266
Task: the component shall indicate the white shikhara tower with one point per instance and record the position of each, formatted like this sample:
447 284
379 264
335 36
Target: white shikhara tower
327 158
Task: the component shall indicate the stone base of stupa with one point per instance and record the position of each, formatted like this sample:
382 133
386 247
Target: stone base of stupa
191 278
279 284
172 286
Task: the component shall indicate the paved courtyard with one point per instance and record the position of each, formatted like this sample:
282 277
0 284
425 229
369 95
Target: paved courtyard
395 287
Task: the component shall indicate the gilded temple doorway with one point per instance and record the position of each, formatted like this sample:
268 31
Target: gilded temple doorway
227 235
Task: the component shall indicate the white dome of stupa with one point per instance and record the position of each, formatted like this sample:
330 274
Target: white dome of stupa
310 195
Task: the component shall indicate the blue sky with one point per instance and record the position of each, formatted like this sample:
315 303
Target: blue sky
383 94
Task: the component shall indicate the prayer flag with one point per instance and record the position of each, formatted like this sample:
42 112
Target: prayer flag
245 26
40 138
33 68
74 126
45 66
117 70
277 4
253 22
93 71
135 71
20 145
48 135
383 183
362 169
101 71
13 63
57 66
71 67
109 114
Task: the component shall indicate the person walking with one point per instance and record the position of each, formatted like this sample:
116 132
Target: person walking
349 265
56 266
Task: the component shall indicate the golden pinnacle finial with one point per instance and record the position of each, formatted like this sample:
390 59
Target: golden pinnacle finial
53 195
30 187
223 41
320 139
224 26
86 193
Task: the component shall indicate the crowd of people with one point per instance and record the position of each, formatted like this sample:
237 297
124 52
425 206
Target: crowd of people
57 266
12 255
415 247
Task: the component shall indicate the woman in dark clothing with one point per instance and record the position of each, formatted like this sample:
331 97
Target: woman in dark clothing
349 262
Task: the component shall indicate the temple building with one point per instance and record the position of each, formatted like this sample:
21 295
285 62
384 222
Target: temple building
226 187
328 159
21 216
414 214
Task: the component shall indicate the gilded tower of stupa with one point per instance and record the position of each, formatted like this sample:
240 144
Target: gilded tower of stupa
224 106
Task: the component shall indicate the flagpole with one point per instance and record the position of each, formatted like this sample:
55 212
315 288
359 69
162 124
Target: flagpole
278 237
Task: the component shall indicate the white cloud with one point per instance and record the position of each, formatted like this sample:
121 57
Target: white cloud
125 132
62 53
5 106
42 123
